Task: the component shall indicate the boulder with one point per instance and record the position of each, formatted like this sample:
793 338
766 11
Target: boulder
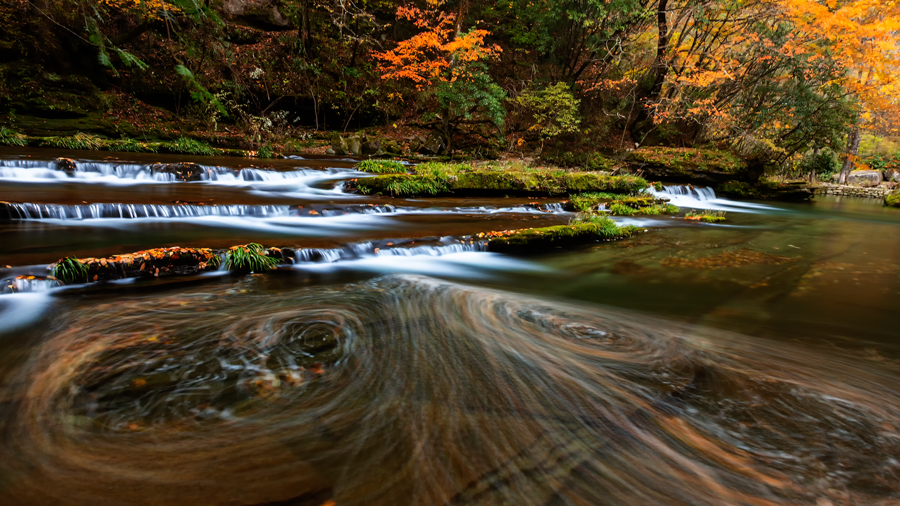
865 177
355 142
339 145
372 147
432 146
183 171
391 147
259 13
892 175
66 165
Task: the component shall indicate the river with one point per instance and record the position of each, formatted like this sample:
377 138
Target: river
749 362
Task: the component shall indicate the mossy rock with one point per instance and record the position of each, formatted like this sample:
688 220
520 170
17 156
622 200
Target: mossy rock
690 165
765 190
433 179
892 199
537 240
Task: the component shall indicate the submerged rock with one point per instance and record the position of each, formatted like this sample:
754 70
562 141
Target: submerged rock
184 171
865 177
66 165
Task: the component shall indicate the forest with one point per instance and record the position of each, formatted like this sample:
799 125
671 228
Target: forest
798 87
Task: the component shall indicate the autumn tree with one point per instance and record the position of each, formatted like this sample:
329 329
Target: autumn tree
860 36
446 69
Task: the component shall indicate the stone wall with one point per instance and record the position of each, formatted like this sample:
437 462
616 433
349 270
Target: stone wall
877 192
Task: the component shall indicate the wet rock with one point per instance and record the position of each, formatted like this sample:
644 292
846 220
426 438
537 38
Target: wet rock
66 165
330 151
892 175
261 13
183 171
865 177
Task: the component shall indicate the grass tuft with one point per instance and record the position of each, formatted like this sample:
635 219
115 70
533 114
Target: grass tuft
78 141
70 270
185 146
381 167
249 258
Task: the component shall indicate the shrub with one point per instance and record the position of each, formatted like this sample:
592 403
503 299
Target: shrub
554 109
265 151
250 257
824 163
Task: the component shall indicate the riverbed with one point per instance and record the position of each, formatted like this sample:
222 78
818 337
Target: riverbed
748 362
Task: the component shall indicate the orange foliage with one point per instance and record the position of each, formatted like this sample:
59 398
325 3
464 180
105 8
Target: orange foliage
862 36
434 54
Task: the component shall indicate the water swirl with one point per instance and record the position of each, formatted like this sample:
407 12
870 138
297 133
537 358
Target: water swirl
410 390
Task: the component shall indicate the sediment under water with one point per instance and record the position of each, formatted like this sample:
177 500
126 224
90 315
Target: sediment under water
412 390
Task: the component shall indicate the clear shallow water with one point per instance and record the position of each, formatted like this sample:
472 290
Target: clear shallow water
753 363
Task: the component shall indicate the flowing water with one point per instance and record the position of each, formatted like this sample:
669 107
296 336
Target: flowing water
393 362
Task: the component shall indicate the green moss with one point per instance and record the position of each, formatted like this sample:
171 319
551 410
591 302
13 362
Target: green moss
892 199
584 229
621 205
442 178
265 151
686 159
12 138
381 167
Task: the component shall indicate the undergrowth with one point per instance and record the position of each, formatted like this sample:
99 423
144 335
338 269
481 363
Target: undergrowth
12 138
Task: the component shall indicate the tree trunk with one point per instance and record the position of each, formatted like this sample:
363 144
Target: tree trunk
662 49
852 150
304 30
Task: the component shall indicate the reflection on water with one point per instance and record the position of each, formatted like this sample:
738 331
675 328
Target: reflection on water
409 390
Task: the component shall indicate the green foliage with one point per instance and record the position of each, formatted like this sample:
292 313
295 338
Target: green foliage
12 138
70 270
77 141
471 96
880 162
381 167
824 163
198 92
186 146
250 257
555 110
